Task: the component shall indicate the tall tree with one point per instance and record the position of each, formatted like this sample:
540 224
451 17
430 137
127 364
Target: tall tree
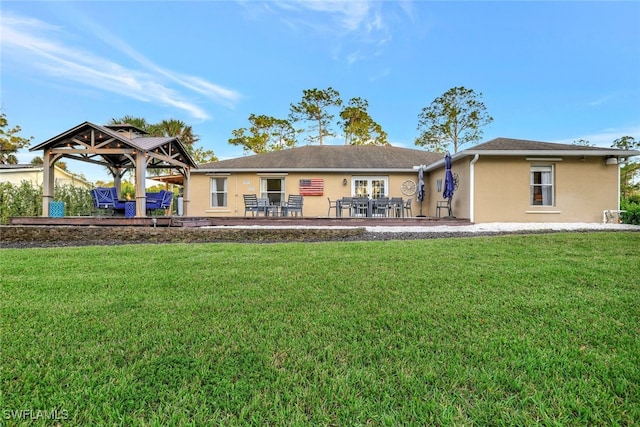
626 143
314 107
200 155
630 171
454 118
10 142
583 143
265 134
358 126
138 122
171 128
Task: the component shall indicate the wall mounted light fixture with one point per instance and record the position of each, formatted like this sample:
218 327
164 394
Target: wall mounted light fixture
345 182
611 161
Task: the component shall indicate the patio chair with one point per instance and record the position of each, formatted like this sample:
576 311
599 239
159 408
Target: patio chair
407 208
332 205
381 207
106 198
345 203
250 204
102 198
360 206
293 205
443 204
395 205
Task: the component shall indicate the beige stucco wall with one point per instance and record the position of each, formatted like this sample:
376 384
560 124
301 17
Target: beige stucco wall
249 183
582 190
460 200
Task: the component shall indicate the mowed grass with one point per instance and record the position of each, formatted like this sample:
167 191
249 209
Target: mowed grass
514 330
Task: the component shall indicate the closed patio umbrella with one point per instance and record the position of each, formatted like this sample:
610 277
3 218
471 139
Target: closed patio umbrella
420 184
420 195
449 184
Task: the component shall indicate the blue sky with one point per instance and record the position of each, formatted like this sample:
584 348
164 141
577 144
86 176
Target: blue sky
548 71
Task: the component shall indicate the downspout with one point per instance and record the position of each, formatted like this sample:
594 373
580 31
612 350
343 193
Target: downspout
472 189
619 192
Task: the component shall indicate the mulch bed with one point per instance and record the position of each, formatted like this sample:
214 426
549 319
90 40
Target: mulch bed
39 236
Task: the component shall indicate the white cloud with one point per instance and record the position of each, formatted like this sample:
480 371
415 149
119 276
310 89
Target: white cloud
34 44
358 24
349 15
600 101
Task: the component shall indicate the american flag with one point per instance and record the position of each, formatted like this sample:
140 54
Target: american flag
312 187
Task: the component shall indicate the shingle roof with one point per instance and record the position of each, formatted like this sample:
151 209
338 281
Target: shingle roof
143 143
325 157
510 144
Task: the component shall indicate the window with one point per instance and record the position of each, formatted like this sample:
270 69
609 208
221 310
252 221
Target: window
542 185
218 192
272 189
370 186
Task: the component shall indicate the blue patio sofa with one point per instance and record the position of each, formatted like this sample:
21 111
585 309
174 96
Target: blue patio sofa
107 198
160 200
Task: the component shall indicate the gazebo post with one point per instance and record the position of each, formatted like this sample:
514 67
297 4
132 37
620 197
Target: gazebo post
48 184
117 180
185 192
141 195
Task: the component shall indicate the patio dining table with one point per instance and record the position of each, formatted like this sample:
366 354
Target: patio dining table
267 208
367 209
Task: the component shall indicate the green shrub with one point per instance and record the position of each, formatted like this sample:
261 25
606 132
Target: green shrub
25 199
631 214
22 199
77 200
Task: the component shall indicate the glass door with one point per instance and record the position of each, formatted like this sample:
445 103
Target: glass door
272 189
370 186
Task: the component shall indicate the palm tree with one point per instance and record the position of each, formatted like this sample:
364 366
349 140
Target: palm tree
173 127
138 122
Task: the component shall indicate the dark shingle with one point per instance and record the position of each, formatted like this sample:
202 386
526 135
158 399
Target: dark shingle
321 157
510 144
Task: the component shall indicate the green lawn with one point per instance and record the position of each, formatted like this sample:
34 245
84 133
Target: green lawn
514 330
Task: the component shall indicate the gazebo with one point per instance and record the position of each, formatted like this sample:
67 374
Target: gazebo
119 148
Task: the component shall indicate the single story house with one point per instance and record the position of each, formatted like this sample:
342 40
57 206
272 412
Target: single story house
502 180
34 174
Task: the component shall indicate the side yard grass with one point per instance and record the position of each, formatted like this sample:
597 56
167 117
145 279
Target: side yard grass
513 330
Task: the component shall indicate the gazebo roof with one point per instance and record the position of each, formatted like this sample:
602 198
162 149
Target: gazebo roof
116 146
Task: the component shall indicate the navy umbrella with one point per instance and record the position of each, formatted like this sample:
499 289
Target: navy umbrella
420 184
420 194
449 185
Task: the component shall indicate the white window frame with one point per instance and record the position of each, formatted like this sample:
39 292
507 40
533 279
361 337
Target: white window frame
356 190
545 189
213 185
